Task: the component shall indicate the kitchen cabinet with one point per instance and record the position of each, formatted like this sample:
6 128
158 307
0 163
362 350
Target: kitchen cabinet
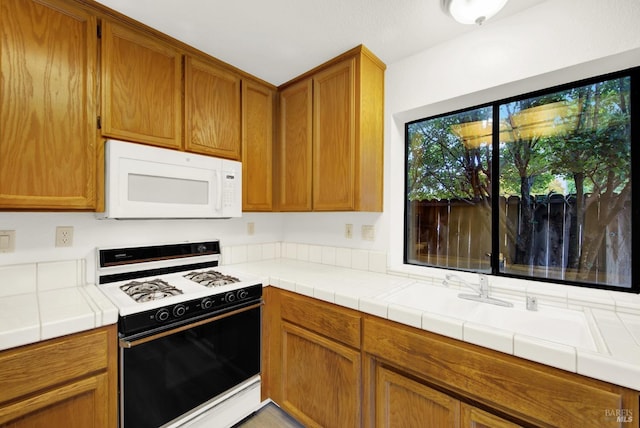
257 146
314 363
70 381
295 147
396 393
403 402
141 87
409 377
342 120
48 144
212 109
472 417
501 389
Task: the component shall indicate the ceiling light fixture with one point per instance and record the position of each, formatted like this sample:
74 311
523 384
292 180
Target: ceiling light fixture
472 11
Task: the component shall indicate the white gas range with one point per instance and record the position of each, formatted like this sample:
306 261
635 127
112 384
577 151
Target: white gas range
189 333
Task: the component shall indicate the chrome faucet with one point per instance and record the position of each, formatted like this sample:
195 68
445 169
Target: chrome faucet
482 290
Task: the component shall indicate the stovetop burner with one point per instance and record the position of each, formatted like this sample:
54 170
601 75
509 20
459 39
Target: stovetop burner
211 278
145 291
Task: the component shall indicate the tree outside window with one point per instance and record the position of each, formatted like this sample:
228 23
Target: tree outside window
560 170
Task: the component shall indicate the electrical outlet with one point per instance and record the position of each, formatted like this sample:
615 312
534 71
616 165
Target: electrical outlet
348 231
64 236
368 232
251 228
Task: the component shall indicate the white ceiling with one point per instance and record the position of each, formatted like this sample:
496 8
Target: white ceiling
276 40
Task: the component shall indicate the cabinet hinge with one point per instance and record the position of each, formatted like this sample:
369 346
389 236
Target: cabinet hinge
99 122
99 31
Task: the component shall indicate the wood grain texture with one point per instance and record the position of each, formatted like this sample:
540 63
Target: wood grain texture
321 380
294 147
337 323
334 138
531 392
472 417
141 87
369 174
257 147
48 61
403 402
306 368
70 381
212 110
347 138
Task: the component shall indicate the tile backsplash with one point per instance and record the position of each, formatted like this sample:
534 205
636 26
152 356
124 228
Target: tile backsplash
42 276
373 261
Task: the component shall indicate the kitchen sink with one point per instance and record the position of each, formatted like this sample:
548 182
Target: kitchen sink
565 326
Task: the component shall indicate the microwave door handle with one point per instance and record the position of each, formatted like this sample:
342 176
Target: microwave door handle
219 192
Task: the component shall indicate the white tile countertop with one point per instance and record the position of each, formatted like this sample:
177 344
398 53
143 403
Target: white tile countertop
40 301
610 351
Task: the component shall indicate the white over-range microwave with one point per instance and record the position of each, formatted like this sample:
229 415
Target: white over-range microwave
150 182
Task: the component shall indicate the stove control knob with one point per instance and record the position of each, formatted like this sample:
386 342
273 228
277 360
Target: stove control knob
162 315
230 297
242 294
179 310
206 303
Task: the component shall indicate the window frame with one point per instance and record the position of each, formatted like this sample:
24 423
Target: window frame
634 101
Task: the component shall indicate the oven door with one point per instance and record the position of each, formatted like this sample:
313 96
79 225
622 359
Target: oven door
170 373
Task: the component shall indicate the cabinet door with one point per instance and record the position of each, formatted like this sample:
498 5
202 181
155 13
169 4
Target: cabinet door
78 404
472 417
48 57
334 138
141 87
257 147
403 402
212 110
294 147
320 380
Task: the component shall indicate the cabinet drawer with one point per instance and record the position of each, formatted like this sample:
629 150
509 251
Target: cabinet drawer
31 368
531 392
338 323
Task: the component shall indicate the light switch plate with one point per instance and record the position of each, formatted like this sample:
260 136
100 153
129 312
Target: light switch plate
7 241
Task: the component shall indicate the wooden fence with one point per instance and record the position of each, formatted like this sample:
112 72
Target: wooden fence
456 234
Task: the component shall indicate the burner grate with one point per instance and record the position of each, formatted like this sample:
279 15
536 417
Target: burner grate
211 278
145 291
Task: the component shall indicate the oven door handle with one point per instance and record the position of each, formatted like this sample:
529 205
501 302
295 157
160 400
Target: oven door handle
131 343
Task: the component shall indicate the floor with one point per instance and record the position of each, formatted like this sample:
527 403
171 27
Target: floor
269 416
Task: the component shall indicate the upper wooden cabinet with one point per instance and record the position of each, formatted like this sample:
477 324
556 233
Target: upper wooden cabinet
212 110
257 146
295 147
48 62
141 87
347 136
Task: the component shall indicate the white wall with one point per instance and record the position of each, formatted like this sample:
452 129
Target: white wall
35 234
557 41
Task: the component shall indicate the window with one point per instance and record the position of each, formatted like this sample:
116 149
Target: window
537 186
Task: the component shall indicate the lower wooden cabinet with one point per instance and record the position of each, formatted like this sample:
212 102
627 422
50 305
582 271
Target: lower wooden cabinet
321 379
518 390
403 402
331 366
67 382
472 417
313 373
